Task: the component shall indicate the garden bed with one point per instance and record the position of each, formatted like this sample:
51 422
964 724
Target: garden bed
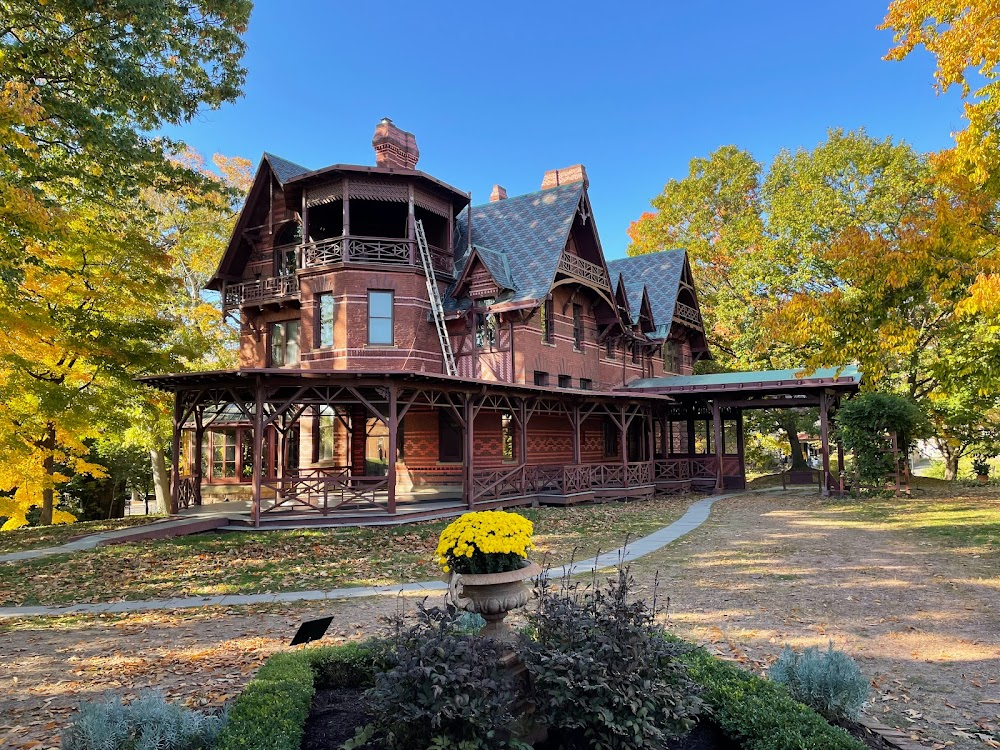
313 699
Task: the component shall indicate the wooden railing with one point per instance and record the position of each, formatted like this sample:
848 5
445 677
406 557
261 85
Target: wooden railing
687 313
188 492
261 291
556 479
574 265
381 250
326 493
672 470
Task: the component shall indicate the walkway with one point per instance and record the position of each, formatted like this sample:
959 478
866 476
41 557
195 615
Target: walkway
694 517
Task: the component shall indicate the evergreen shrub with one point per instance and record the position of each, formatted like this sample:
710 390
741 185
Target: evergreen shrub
829 682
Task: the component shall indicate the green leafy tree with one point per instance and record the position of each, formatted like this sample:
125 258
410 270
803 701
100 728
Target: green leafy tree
84 278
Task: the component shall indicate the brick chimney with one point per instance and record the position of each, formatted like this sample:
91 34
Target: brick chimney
498 194
394 147
566 175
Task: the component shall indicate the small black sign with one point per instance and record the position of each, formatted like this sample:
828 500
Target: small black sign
311 630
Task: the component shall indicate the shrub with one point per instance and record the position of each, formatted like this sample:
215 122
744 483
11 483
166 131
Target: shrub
760 714
603 673
442 690
350 665
149 723
980 466
270 714
865 424
829 682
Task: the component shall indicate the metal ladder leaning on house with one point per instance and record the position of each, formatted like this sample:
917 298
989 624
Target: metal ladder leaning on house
437 308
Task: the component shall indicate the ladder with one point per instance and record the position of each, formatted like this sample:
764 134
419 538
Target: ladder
437 308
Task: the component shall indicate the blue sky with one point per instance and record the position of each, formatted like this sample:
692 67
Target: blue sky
500 92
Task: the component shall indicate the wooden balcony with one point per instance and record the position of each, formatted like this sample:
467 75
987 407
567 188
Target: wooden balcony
391 251
273 290
583 270
687 314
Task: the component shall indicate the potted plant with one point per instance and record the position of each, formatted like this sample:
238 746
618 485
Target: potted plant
981 468
486 555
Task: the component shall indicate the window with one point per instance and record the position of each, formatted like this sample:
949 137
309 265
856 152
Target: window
507 436
565 381
635 352
223 454
609 348
677 438
325 322
548 322
486 330
284 343
326 434
449 439
730 441
380 317
541 378
586 384
610 438
577 326
703 438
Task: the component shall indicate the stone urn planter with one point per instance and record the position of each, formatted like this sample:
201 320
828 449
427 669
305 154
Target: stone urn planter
493 595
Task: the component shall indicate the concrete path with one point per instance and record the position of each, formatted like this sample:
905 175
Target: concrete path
156 530
694 517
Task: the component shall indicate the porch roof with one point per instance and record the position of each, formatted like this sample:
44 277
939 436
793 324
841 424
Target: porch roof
845 378
285 376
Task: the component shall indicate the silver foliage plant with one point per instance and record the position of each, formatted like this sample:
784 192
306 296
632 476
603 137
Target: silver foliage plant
829 682
148 723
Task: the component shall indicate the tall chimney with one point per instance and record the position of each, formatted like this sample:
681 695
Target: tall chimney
394 147
498 194
566 175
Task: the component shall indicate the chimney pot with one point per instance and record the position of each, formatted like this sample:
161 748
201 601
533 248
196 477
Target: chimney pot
565 176
498 194
394 147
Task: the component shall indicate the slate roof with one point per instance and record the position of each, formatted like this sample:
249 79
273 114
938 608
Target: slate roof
529 232
283 169
660 273
847 375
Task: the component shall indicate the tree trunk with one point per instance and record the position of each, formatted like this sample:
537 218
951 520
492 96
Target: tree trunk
951 457
49 464
161 480
792 430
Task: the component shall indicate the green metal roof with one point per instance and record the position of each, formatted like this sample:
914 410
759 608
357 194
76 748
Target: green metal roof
847 375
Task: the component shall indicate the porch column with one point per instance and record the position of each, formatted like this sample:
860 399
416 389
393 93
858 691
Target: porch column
470 419
359 433
258 451
623 431
650 437
824 435
391 469
664 437
840 468
717 436
522 437
575 419
175 468
740 447
199 442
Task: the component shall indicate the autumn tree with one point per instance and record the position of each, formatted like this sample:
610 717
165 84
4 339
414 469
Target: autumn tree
755 237
84 278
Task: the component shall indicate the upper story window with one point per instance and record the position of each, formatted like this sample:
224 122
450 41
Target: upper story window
284 343
577 326
609 347
565 381
586 384
636 353
487 327
324 323
380 303
548 322
541 378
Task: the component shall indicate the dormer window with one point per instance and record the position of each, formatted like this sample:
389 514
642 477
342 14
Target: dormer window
487 327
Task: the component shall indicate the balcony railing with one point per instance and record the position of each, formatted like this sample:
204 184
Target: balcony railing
688 314
261 291
379 250
577 267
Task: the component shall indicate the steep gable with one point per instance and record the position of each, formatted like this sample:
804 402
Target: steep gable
659 275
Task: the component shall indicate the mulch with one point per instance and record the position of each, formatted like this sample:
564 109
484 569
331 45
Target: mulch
334 718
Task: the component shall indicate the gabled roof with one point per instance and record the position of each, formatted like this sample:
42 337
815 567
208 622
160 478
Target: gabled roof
283 169
660 275
530 231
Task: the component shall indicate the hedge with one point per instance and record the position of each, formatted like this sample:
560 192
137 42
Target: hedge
760 714
271 713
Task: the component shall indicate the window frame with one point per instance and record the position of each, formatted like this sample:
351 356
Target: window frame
578 328
548 322
565 381
391 318
283 346
541 378
322 324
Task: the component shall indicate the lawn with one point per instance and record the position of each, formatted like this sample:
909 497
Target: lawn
216 564
27 538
